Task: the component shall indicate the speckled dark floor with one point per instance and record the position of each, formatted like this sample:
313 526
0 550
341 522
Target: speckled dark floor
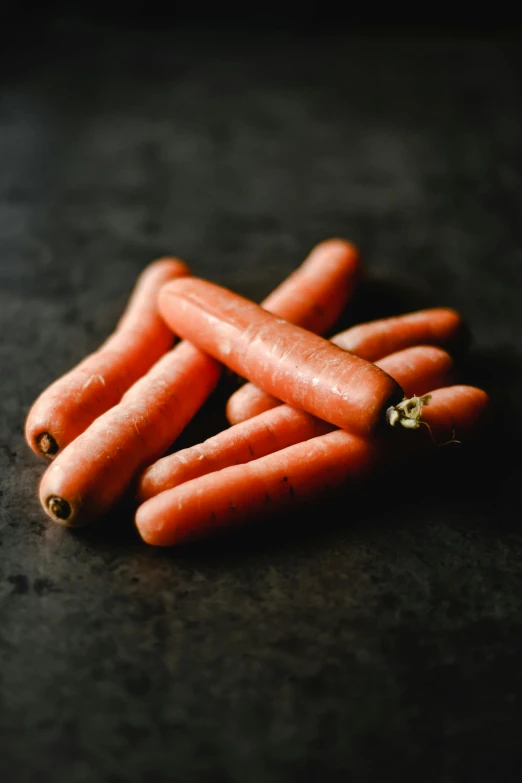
377 638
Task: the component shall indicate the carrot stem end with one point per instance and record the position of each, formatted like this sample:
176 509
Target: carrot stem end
408 412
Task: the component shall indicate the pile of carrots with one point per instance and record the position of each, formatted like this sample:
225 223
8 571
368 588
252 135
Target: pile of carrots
315 414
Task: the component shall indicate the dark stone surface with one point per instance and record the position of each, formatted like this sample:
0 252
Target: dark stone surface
376 638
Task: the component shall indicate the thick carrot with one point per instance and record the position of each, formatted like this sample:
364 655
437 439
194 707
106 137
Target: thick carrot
371 341
95 470
67 407
416 369
298 474
312 297
315 294
302 369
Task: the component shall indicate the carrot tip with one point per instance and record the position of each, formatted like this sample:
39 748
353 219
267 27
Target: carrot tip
59 508
47 445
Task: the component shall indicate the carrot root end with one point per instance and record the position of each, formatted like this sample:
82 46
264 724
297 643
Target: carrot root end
59 508
47 446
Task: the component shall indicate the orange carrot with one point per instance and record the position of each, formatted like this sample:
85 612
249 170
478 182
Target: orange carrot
95 470
371 341
454 412
302 369
67 407
298 474
313 296
436 326
316 293
416 369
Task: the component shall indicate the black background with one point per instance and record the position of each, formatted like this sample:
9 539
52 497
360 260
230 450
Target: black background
376 637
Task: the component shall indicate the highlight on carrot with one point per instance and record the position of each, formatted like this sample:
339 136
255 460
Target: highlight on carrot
294 475
417 370
302 369
96 469
67 407
439 326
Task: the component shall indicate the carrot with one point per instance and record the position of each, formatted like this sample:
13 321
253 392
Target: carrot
371 341
93 472
67 407
312 297
436 326
454 411
302 369
301 473
315 294
96 469
416 369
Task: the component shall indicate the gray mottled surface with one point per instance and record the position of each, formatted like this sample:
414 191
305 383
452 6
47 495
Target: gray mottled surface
377 638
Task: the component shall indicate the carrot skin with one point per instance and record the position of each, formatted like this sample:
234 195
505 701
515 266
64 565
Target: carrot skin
270 432
249 401
298 474
315 294
239 493
455 411
439 326
67 407
372 341
302 369
416 369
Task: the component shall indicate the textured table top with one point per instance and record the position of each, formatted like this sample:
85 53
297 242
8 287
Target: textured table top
380 634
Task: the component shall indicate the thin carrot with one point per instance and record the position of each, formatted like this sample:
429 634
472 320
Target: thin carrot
416 369
302 369
67 407
440 326
96 469
371 341
292 476
315 294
